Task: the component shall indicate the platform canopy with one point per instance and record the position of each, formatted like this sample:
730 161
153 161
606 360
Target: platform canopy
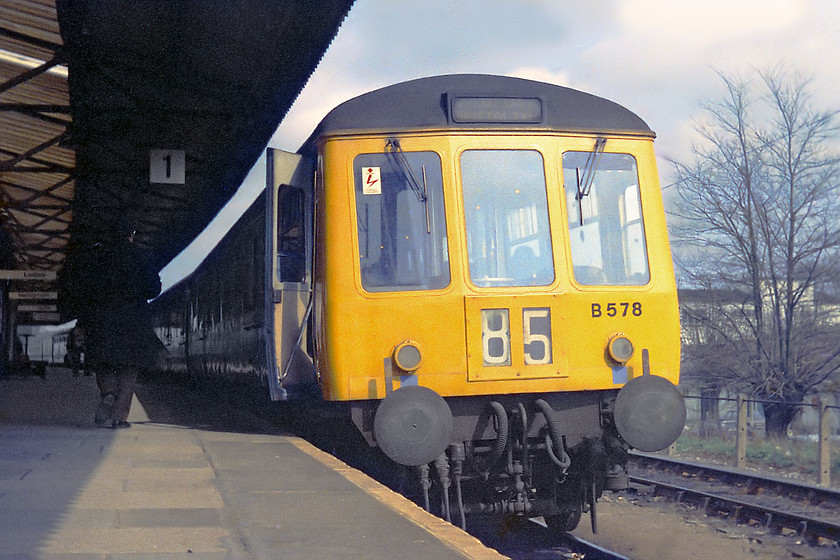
144 112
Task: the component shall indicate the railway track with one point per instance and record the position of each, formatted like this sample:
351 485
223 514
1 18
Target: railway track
812 512
523 539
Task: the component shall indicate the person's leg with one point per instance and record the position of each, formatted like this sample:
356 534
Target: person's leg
74 363
127 379
106 379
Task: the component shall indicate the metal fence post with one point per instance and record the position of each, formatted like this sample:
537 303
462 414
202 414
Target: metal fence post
825 444
741 433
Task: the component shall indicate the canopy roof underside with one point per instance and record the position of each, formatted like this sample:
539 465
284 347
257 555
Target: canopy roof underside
88 89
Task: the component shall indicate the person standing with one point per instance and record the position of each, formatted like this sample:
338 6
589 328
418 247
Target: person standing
107 285
75 349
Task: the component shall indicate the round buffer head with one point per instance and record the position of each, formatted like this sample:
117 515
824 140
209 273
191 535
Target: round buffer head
413 425
407 356
620 348
649 413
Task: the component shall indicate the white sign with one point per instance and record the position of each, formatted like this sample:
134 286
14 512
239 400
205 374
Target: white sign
167 166
33 295
370 181
37 307
27 275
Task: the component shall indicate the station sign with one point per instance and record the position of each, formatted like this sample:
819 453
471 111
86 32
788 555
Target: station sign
38 307
27 274
46 317
33 295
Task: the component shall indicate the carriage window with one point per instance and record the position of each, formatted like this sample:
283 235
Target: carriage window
401 221
291 256
508 235
606 231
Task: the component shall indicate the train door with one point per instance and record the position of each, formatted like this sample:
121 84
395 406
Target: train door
288 272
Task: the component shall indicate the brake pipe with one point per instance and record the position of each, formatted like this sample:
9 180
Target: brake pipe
501 416
556 452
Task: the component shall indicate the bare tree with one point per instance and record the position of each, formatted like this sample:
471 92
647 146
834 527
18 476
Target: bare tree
759 224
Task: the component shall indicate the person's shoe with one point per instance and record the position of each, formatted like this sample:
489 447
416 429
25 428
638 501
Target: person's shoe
120 425
105 411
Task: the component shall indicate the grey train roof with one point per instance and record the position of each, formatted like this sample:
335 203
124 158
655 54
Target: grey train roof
425 103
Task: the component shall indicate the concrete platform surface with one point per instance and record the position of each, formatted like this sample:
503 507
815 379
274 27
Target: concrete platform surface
163 491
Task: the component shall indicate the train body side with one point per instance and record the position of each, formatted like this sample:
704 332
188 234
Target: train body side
213 322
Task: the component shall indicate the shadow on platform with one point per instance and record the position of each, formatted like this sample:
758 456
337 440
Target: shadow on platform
49 449
51 452
61 399
52 456
57 399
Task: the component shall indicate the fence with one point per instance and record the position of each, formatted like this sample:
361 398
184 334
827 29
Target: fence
714 424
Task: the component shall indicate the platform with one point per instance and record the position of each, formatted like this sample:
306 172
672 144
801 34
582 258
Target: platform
163 489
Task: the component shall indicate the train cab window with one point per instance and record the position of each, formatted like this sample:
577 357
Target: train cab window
291 240
508 234
401 222
606 230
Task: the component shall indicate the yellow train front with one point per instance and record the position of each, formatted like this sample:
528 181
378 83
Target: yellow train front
492 288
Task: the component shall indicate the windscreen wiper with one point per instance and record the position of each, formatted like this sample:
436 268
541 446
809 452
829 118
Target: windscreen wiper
393 145
585 179
593 158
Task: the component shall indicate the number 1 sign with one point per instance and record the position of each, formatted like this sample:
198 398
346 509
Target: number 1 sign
167 166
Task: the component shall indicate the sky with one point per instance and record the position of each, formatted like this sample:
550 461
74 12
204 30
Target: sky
659 58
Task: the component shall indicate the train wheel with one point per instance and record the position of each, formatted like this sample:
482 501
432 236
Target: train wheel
564 522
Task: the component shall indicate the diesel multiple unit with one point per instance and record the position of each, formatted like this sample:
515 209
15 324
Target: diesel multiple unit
475 271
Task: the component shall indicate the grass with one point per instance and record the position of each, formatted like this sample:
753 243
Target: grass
786 456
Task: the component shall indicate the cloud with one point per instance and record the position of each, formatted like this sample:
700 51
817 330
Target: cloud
675 45
712 21
556 77
659 59
327 89
542 74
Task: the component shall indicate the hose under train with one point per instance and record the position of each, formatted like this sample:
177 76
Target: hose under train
556 450
502 434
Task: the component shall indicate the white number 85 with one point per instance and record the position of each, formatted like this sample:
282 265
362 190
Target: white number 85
536 336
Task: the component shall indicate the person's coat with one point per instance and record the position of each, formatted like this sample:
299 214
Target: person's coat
106 286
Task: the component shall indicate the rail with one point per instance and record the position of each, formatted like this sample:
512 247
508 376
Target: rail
748 481
741 511
589 550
